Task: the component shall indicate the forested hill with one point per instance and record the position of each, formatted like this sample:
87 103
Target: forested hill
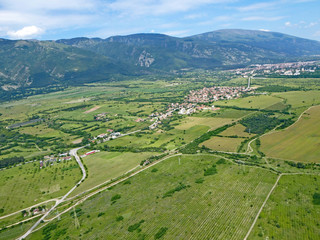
26 64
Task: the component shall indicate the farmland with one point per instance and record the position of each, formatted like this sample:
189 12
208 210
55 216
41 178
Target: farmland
28 185
290 212
215 215
223 144
104 166
299 142
186 179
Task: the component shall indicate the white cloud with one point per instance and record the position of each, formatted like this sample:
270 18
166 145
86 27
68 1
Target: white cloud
26 32
264 30
158 7
257 6
260 18
288 24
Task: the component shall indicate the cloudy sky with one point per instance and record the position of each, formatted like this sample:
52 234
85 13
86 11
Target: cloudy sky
55 19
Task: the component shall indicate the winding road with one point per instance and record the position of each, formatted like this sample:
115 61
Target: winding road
73 152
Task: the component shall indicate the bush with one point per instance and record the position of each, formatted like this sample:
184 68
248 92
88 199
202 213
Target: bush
101 214
162 231
154 170
316 199
115 197
119 218
199 180
135 226
210 171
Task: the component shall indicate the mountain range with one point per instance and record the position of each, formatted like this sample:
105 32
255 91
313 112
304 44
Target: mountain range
33 63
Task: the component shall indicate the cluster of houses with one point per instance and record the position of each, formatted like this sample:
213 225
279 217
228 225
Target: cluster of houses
285 69
106 136
50 160
101 117
212 94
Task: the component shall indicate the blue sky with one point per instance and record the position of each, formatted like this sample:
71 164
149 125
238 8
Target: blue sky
55 19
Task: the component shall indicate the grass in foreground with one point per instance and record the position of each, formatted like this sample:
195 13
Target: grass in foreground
173 200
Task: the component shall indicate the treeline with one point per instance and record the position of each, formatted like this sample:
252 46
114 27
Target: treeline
278 88
7 162
25 92
130 149
194 146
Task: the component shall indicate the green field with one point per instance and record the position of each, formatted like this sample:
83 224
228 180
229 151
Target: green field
236 130
202 207
27 185
259 101
210 122
289 212
104 166
299 142
223 144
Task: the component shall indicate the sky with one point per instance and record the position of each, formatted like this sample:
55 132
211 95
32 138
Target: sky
57 19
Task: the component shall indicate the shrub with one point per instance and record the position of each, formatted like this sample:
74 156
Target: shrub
115 197
119 218
162 231
210 171
199 180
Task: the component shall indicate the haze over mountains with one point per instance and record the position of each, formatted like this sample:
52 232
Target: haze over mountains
33 63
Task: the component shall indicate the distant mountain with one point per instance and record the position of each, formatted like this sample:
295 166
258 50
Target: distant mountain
42 63
25 64
218 49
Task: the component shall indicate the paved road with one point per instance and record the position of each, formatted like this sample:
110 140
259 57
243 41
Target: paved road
73 152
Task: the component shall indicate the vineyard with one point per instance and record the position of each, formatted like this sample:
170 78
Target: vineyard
172 200
290 212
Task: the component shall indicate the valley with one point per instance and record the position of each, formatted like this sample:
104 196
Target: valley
153 171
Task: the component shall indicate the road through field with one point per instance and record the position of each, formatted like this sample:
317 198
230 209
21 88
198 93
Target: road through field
73 152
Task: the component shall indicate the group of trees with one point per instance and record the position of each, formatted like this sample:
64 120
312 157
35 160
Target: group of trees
194 146
6 162
260 123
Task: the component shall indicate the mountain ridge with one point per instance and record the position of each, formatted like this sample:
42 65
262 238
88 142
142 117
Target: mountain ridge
35 63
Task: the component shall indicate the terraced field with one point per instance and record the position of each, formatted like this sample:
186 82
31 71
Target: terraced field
175 199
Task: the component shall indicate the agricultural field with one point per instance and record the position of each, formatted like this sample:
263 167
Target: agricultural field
225 144
236 130
27 185
291 212
191 187
299 142
104 166
211 122
255 102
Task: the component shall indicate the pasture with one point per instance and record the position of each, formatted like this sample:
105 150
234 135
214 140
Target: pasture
299 142
172 200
